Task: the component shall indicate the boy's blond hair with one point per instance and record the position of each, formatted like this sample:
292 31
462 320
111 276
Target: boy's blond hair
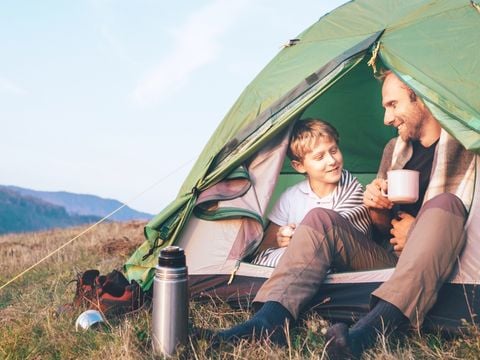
305 134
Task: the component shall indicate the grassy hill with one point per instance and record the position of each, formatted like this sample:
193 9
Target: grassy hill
83 204
31 329
23 213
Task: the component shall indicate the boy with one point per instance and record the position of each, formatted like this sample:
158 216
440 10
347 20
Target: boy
313 151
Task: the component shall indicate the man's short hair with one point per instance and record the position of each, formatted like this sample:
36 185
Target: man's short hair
305 134
383 73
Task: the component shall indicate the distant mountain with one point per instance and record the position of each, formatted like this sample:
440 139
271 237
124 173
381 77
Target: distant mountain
80 204
19 213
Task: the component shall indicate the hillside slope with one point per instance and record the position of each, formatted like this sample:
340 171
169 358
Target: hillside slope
82 204
20 213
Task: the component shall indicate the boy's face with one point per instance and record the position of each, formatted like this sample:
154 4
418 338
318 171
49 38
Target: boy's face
323 164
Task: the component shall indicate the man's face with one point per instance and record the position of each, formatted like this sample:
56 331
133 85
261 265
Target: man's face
405 115
323 164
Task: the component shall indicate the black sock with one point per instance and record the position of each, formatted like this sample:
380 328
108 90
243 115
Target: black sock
268 322
384 318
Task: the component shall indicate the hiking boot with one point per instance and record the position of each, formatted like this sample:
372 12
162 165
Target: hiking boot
117 300
111 293
85 292
114 283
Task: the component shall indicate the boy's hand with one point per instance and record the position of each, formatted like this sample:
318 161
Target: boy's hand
373 197
400 229
284 235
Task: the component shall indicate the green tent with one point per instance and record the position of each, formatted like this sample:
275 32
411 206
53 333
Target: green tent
325 72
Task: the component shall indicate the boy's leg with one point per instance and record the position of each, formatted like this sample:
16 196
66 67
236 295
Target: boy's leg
323 239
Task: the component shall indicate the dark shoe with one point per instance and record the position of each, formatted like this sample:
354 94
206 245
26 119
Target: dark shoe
130 298
268 323
111 293
113 283
86 288
337 343
275 334
84 292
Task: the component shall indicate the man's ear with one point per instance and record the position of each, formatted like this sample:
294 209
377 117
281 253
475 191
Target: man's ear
297 165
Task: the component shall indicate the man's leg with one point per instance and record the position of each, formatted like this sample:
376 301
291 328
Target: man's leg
427 260
323 239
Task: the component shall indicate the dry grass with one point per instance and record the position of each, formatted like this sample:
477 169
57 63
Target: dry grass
30 328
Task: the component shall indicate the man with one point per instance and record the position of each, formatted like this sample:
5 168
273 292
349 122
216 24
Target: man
428 235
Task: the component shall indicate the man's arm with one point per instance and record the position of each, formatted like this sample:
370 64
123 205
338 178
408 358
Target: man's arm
400 229
380 219
378 205
379 208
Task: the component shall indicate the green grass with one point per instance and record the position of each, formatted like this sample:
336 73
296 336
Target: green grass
31 329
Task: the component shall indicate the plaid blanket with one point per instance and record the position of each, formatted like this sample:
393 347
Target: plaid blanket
453 168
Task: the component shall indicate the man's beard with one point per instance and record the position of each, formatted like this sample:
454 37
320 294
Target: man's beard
414 129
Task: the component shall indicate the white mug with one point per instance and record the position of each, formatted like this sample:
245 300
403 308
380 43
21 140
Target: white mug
402 186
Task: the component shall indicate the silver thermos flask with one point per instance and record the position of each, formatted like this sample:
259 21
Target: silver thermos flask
170 302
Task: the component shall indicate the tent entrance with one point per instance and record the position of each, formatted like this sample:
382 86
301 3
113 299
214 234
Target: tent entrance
239 220
261 149
353 106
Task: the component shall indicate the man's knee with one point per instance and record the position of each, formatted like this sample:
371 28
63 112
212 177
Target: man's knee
448 202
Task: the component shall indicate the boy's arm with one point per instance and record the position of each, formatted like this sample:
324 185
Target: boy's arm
270 237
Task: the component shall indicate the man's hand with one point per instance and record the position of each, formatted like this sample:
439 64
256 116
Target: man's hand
400 229
378 205
373 197
284 235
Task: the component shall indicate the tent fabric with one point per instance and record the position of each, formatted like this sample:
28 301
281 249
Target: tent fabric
165 227
327 72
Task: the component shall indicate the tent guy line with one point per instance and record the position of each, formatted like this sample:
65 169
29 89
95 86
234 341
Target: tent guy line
106 217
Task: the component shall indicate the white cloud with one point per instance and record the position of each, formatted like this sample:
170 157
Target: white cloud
9 87
196 44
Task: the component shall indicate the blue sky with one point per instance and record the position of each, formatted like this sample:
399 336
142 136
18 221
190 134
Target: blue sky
111 97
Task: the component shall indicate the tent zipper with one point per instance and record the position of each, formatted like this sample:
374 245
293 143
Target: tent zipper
234 271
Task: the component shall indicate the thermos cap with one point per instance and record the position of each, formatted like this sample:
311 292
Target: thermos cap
172 256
